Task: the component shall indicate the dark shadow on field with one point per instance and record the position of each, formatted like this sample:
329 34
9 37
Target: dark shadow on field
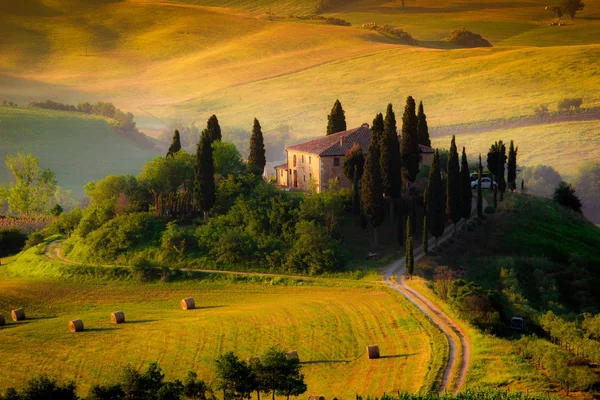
8 326
208 307
438 44
325 362
399 355
140 321
39 318
99 329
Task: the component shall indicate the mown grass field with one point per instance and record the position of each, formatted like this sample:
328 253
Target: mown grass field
564 146
78 148
328 323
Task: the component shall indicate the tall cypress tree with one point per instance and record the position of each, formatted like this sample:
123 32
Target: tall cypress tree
204 180
436 215
479 194
453 186
422 128
409 148
377 128
256 157
512 166
336 121
175 144
409 259
425 236
391 176
496 159
214 129
371 195
354 162
465 184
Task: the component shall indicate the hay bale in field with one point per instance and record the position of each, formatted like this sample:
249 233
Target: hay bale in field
373 352
18 315
188 303
2 320
76 325
292 354
316 398
117 317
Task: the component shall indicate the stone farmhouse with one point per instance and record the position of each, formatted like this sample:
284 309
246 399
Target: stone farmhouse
314 163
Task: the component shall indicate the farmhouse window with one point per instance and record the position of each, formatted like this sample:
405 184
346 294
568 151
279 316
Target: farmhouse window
309 160
336 162
302 158
294 160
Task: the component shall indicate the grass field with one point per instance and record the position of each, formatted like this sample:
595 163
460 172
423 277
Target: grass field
328 323
78 148
564 146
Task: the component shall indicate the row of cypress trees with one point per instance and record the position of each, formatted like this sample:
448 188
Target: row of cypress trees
205 191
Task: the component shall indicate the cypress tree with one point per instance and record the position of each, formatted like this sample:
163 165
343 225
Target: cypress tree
256 157
354 162
410 144
409 257
400 231
496 159
214 129
204 179
336 121
502 180
425 236
391 176
465 183
512 166
422 128
371 195
175 144
377 128
436 199
453 186
479 194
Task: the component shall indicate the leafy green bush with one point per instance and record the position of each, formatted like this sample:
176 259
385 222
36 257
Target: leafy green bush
564 194
142 269
12 241
313 251
66 222
56 210
174 242
34 239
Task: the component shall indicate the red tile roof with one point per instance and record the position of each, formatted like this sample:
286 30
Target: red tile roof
336 144
282 166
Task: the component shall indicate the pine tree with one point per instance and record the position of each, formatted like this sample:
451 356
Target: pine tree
256 157
410 144
371 195
214 129
422 128
204 180
377 128
436 215
453 186
425 236
175 144
465 183
391 176
512 166
336 121
479 194
409 257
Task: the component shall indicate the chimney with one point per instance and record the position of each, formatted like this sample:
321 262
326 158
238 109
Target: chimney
341 140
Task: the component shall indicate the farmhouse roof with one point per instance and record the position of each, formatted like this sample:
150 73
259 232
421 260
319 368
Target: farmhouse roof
336 144
282 166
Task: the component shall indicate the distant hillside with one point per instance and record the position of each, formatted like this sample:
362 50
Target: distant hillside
77 147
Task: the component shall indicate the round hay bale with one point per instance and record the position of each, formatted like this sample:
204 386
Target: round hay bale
316 398
18 315
2 320
292 354
188 303
117 317
373 352
76 325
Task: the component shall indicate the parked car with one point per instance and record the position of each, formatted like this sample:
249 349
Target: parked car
486 183
474 177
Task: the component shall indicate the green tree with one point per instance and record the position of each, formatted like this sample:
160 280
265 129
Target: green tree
570 7
227 159
204 182
453 186
425 236
409 256
214 129
195 389
336 121
465 184
354 162
435 199
377 128
496 159
564 194
422 128
587 182
371 196
391 175
410 143
280 375
175 144
56 210
479 194
233 377
32 189
512 166
256 157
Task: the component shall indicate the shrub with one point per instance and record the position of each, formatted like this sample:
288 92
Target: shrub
11 241
465 38
34 239
314 251
56 210
569 104
397 33
489 209
142 269
66 222
564 194
173 242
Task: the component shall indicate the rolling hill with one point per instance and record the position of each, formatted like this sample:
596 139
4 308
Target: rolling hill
78 148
